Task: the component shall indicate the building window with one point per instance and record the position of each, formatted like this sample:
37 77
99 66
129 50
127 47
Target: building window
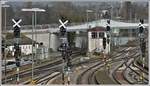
94 35
101 35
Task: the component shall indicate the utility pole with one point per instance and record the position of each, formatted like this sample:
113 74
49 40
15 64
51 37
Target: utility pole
17 52
141 32
65 49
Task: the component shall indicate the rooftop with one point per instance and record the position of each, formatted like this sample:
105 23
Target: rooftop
24 40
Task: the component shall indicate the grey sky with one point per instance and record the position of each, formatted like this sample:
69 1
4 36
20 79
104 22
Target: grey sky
77 0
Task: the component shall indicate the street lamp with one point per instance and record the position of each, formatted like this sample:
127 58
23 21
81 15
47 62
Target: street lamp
5 55
35 10
34 19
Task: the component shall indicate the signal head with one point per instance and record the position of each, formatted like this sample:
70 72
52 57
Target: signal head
142 21
108 21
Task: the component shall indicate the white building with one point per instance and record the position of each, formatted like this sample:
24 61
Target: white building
25 49
25 44
95 40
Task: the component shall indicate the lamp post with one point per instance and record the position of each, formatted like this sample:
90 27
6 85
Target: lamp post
34 21
5 24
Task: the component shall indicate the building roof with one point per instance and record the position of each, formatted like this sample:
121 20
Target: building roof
101 23
97 29
24 40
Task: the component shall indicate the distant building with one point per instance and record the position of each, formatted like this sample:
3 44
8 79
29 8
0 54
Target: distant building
105 14
126 10
25 44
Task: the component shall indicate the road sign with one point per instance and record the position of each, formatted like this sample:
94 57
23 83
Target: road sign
17 22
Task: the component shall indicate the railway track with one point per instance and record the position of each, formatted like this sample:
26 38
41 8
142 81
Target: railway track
37 71
41 80
45 81
137 72
89 74
28 72
73 66
118 75
129 67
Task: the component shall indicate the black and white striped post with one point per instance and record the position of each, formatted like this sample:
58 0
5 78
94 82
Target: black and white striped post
65 50
17 50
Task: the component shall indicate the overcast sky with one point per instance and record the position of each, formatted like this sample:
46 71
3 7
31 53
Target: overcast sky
78 0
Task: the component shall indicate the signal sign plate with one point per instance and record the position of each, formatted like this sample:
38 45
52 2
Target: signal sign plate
63 23
16 22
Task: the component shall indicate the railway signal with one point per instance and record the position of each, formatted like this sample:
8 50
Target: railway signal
104 43
63 31
17 52
17 21
108 38
63 24
16 27
141 29
142 44
142 37
143 47
141 21
108 29
64 48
